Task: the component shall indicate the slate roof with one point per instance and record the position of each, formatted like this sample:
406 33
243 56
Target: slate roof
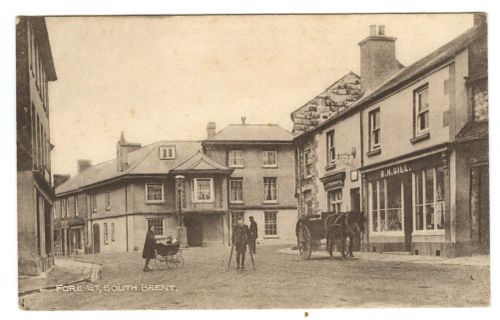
411 72
252 132
473 131
145 160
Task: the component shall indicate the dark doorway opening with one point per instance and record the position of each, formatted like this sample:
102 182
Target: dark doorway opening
97 238
194 230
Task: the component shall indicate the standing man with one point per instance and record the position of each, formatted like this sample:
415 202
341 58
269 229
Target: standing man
240 241
252 235
148 252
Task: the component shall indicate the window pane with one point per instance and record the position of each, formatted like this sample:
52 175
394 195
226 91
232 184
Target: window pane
429 186
154 191
270 223
374 206
423 100
419 197
394 205
270 189
236 189
440 197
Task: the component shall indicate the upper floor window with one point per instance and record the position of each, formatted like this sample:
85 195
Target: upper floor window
106 233
167 152
108 201
422 111
113 232
330 146
307 163
270 189
236 190
154 192
203 190
235 158
66 207
76 206
93 201
63 208
374 130
270 158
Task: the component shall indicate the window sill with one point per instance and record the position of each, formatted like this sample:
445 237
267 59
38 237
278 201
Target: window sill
309 176
271 237
272 166
236 202
420 137
203 201
374 152
387 233
108 209
270 202
330 166
438 232
155 201
237 166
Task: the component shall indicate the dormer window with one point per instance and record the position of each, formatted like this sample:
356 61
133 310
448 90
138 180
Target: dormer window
167 152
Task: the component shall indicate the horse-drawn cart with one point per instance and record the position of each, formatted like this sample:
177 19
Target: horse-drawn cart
339 230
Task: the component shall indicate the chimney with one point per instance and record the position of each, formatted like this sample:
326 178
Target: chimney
83 164
121 154
243 120
211 130
378 58
480 19
60 179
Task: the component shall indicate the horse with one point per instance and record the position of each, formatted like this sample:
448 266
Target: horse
343 225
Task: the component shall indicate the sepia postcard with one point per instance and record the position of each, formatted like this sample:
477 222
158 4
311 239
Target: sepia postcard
252 161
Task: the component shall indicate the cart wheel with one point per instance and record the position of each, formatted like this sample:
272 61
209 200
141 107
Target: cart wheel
160 263
304 242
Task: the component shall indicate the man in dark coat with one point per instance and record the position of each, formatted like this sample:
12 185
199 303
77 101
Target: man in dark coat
148 252
252 235
240 241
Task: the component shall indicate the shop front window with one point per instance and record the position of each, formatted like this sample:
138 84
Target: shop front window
385 205
429 199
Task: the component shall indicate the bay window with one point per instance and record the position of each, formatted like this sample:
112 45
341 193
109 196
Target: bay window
203 190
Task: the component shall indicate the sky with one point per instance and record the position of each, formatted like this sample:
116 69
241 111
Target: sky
165 78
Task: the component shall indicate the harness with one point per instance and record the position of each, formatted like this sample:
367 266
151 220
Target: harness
337 223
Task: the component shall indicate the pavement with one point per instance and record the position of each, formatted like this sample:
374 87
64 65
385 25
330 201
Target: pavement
476 260
66 271
280 280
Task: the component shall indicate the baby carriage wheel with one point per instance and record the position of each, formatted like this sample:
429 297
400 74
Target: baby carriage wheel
161 262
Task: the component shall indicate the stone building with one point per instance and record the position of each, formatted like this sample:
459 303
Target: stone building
418 137
35 194
334 99
262 183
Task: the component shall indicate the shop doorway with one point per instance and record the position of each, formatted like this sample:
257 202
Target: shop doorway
408 210
194 230
356 207
97 238
480 208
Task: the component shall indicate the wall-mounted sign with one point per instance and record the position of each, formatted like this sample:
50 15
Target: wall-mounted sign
333 181
395 170
334 184
354 175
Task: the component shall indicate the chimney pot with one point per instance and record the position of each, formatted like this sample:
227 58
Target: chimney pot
243 120
373 30
211 127
83 164
381 30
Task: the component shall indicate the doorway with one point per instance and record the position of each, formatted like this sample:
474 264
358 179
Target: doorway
408 210
480 208
356 207
97 238
194 230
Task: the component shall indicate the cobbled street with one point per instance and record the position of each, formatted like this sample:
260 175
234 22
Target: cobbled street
279 281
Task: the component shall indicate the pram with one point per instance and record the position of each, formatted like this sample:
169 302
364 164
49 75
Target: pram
168 256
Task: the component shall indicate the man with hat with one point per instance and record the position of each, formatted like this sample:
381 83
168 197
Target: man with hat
240 241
